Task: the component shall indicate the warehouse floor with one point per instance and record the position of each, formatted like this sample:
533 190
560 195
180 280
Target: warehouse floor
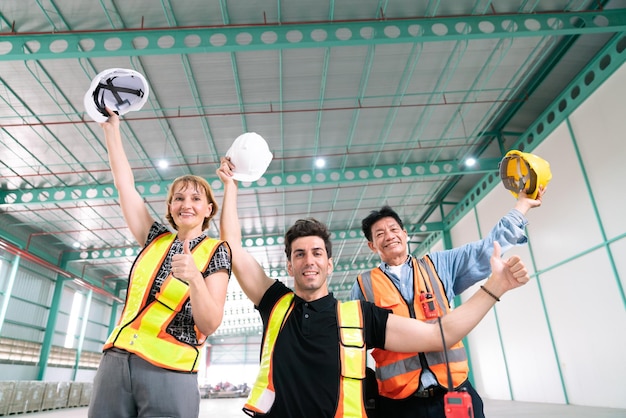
231 408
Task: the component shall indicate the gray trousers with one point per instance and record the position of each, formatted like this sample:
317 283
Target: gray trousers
126 386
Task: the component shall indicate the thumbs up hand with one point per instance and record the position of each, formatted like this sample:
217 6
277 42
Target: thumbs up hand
506 275
183 266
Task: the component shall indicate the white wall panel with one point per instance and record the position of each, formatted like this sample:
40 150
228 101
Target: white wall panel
598 127
588 322
487 358
567 213
465 230
530 360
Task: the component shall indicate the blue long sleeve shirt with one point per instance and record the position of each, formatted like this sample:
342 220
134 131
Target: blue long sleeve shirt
461 267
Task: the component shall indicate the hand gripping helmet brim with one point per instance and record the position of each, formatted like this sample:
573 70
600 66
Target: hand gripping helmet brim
119 89
251 156
521 171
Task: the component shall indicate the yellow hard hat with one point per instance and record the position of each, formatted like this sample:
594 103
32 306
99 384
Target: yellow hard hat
521 171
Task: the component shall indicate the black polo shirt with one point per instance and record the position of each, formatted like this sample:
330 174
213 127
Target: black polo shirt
306 356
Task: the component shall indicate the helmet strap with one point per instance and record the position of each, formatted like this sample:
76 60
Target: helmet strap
98 95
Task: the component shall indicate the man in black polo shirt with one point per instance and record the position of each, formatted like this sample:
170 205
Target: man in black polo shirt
304 372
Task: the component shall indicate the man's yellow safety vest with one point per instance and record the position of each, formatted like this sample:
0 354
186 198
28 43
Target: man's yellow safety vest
142 328
352 359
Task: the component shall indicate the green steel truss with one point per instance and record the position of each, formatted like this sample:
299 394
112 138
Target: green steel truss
248 242
295 179
181 40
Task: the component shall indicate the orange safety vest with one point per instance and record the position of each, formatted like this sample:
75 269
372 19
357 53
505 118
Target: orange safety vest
352 359
142 328
398 374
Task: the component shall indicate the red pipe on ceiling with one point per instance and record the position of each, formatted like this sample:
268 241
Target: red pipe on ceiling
261 112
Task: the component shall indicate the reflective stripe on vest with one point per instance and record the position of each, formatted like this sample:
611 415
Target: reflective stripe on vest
142 328
398 374
262 394
352 359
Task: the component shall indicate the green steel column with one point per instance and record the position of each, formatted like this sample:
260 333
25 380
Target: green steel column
9 290
46 346
81 337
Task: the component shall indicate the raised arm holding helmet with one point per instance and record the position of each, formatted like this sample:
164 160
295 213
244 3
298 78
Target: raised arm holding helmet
175 298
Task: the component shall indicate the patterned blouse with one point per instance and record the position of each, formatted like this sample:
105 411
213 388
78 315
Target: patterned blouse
182 327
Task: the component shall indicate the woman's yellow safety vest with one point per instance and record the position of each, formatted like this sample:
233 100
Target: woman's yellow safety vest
352 359
142 328
398 374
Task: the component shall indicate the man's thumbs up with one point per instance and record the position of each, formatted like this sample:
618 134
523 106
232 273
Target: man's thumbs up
506 275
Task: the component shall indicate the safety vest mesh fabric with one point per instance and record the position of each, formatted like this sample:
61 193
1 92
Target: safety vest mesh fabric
352 359
398 374
262 394
142 328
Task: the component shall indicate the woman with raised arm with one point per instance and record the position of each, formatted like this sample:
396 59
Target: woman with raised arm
175 298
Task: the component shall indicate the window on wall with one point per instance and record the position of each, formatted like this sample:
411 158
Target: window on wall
72 324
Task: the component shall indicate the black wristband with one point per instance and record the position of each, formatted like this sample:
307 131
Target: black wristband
490 294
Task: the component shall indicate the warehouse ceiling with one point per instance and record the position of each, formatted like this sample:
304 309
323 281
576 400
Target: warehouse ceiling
393 96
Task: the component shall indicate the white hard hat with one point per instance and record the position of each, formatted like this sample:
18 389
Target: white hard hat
251 156
119 89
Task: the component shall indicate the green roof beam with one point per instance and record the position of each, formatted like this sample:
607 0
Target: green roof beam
182 40
386 173
248 242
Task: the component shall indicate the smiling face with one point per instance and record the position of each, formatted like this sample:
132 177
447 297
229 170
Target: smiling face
389 241
310 267
189 207
195 186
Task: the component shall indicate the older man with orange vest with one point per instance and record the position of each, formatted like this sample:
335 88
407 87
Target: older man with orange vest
414 384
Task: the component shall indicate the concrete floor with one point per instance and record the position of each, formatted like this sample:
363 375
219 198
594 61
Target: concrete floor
231 408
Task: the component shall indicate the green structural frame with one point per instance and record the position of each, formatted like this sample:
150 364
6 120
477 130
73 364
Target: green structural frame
385 173
189 40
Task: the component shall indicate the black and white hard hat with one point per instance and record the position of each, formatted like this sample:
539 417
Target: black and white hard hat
119 89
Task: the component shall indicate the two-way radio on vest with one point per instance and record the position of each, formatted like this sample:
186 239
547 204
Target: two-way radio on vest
457 404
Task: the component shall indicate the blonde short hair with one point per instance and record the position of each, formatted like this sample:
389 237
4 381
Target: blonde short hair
197 183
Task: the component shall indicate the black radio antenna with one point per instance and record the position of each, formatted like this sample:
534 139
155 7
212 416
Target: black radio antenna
445 355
